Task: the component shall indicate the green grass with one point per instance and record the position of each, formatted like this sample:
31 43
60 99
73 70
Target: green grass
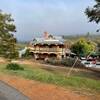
43 75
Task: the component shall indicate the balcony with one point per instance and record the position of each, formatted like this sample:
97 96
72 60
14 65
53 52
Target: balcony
47 50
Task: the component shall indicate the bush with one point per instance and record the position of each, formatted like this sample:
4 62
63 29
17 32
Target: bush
53 61
14 66
68 62
27 54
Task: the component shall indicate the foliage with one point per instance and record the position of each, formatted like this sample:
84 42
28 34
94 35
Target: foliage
94 13
53 61
68 62
27 54
83 47
14 66
7 39
20 45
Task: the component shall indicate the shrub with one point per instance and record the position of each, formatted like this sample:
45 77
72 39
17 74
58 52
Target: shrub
14 66
68 62
53 61
27 54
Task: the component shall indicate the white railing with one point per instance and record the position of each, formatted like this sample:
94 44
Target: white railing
46 50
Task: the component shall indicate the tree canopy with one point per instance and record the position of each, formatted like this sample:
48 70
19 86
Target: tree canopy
94 12
7 39
83 47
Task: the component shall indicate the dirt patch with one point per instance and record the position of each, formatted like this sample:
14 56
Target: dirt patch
40 91
32 63
3 60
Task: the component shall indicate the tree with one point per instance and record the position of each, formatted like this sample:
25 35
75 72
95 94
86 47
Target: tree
7 39
94 13
83 47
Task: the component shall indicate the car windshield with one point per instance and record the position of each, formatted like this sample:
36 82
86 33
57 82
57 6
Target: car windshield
87 63
98 64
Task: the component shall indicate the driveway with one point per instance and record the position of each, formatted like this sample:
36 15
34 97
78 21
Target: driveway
9 93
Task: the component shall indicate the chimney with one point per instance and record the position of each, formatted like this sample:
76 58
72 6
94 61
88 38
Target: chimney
46 35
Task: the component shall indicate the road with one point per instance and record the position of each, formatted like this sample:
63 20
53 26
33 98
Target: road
9 93
2 96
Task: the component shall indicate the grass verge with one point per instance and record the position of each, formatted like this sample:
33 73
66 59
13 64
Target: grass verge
42 75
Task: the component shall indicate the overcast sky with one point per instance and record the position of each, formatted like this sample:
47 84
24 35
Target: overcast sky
33 17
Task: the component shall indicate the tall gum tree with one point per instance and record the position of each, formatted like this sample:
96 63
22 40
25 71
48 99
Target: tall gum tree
7 39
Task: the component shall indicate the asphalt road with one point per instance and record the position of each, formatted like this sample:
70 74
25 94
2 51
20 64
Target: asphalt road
2 96
9 93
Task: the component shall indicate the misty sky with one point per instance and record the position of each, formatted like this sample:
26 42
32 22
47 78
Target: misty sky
33 17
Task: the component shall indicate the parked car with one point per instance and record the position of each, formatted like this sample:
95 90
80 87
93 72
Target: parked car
89 64
98 65
83 60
